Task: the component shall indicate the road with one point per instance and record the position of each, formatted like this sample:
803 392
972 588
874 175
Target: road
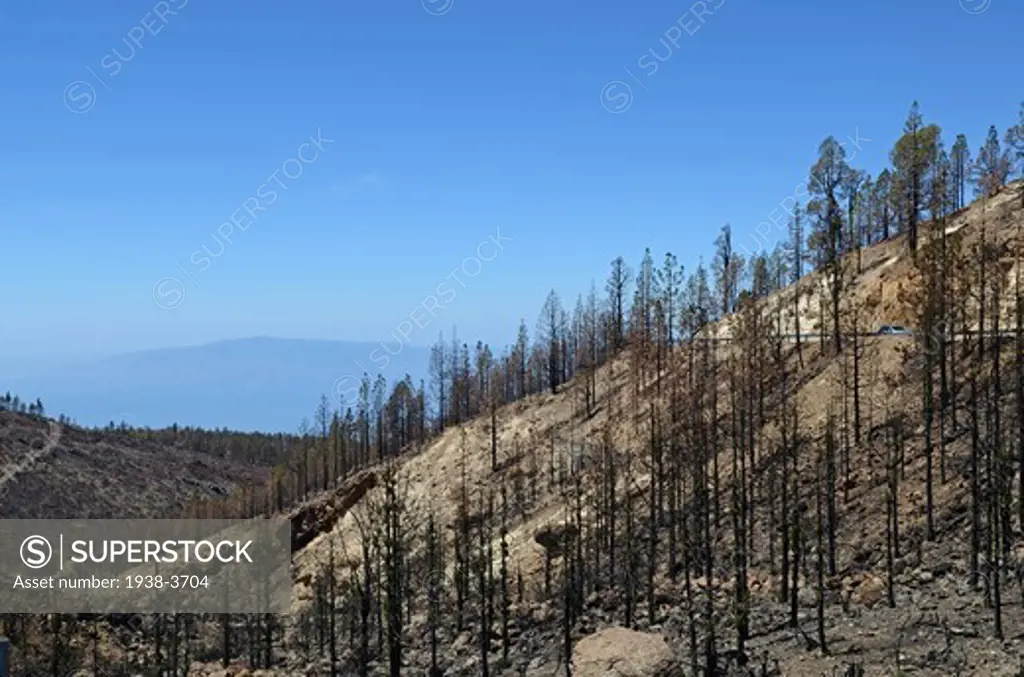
1008 333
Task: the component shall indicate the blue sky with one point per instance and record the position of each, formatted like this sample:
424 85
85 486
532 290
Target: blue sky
132 131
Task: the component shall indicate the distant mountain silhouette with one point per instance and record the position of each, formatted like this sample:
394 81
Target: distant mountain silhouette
266 384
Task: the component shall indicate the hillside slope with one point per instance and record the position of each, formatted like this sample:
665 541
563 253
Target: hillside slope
58 471
940 625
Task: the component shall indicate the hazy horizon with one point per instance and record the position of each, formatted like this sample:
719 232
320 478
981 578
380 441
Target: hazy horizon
256 383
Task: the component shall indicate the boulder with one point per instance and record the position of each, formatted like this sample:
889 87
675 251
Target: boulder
869 591
620 652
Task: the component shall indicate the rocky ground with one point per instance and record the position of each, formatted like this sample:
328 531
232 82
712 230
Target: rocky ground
941 627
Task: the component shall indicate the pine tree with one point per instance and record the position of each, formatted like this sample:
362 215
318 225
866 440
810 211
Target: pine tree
827 177
910 158
668 287
961 160
854 182
617 284
727 266
992 166
797 257
551 327
1015 142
